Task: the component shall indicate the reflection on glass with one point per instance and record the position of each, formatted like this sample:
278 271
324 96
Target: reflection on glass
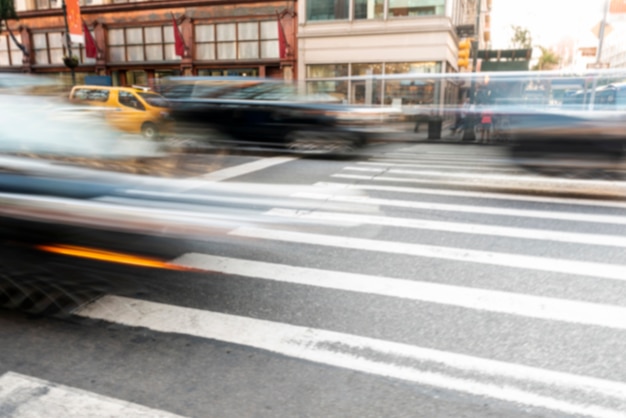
409 92
366 69
326 70
336 89
369 9
327 9
416 7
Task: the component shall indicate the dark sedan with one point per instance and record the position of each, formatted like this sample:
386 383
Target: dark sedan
262 113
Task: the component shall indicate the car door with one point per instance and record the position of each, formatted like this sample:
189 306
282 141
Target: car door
129 113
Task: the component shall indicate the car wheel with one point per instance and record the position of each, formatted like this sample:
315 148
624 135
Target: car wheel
150 131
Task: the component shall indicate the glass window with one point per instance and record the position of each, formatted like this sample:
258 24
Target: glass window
366 69
248 50
226 32
205 51
248 31
366 92
241 41
129 100
416 7
269 30
409 92
327 9
116 36
227 50
10 54
205 33
369 9
336 89
269 49
49 48
326 70
412 67
154 43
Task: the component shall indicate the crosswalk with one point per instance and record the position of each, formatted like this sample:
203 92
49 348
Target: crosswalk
442 240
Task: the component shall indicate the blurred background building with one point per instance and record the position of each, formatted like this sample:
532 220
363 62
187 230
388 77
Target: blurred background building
136 44
328 44
341 41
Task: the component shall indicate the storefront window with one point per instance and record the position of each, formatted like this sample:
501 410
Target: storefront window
337 89
326 70
412 67
365 92
369 9
416 7
366 69
327 9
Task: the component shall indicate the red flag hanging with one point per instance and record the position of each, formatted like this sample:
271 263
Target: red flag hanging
282 39
179 43
91 50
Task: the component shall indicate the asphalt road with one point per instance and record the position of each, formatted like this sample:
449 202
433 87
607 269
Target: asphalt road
416 280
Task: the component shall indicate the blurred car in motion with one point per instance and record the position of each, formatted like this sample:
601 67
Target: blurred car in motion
129 109
266 113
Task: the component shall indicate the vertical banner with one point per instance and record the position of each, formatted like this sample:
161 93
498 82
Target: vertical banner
91 50
282 39
179 42
74 21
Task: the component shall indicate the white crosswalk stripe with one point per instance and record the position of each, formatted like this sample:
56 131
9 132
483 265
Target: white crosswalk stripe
504 381
28 397
511 381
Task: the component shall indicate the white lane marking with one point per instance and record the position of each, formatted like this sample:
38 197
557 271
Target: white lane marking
483 300
450 207
515 183
526 262
499 177
481 195
247 168
231 172
27 397
454 161
573 394
455 227
423 166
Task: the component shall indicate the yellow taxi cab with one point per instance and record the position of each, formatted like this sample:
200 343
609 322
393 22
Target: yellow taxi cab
130 109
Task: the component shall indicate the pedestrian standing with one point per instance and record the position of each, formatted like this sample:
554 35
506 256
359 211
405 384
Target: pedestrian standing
486 124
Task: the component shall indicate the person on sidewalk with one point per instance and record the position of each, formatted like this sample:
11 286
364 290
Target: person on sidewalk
486 124
461 117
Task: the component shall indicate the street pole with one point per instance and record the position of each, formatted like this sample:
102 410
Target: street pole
68 41
592 99
469 133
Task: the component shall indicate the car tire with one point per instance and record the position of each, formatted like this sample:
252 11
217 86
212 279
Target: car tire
150 131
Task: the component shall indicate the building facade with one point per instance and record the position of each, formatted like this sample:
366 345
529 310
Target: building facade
342 42
135 39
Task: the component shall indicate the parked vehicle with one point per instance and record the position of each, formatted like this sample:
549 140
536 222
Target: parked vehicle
129 109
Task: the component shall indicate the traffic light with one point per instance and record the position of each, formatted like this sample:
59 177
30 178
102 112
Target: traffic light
464 53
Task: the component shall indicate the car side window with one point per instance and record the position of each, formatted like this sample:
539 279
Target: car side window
91 95
129 100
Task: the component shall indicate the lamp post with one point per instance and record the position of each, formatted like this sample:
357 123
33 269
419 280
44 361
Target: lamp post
592 99
69 61
469 133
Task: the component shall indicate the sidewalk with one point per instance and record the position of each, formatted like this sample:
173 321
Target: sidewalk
404 132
